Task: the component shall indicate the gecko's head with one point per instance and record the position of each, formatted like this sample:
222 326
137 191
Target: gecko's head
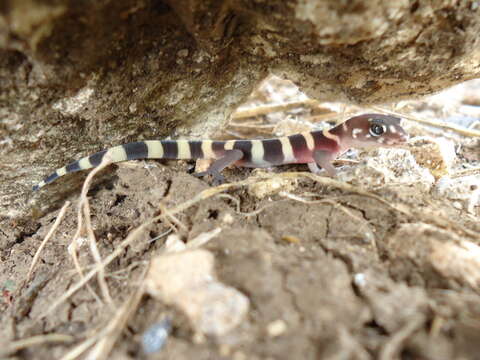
373 130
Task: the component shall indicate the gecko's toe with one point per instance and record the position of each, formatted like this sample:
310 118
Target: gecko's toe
200 174
218 179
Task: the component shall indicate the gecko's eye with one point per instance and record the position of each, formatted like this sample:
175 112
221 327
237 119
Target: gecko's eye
377 129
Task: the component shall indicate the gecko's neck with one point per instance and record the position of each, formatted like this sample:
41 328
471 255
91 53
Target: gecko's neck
332 140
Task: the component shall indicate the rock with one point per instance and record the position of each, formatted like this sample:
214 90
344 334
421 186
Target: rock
154 338
270 186
439 255
463 191
436 154
187 280
388 166
187 64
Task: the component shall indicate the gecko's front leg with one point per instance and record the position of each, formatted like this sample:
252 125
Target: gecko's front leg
323 158
230 157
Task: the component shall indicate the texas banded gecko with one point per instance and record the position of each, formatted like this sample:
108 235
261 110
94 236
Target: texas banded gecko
313 148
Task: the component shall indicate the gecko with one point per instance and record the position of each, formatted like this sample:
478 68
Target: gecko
318 148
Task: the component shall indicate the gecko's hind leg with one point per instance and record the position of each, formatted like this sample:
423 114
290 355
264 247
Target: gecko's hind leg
230 157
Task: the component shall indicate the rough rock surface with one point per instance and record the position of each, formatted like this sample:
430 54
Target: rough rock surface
388 271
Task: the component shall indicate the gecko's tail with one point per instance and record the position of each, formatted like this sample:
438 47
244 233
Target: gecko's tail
151 149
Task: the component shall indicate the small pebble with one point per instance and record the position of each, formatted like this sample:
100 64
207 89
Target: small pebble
227 218
291 239
360 280
187 280
183 53
198 338
457 205
276 328
155 337
464 192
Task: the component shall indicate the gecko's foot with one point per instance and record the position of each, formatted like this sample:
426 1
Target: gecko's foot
218 179
328 171
199 174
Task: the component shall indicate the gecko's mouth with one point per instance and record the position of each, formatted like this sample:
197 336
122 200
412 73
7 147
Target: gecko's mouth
402 140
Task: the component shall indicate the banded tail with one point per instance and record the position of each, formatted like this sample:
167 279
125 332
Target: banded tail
150 149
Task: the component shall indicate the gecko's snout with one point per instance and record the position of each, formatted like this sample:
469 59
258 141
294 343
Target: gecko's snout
401 139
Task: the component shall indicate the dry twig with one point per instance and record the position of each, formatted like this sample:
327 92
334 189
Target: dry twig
115 327
18 345
268 109
170 219
252 126
84 214
466 172
57 222
250 213
392 347
438 124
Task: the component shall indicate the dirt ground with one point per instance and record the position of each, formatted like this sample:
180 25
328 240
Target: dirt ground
382 262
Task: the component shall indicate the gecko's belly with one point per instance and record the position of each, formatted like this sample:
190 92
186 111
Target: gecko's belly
266 164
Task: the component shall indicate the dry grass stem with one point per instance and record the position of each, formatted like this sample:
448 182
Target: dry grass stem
235 134
438 124
252 126
115 327
18 345
165 233
81 228
117 323
328 117
171 219
84 346
263 110
73 253
134 234
57 222
118 274
203 238
246 214
72 249
345 162
96 253
392 347
466 172
126 270
85 206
